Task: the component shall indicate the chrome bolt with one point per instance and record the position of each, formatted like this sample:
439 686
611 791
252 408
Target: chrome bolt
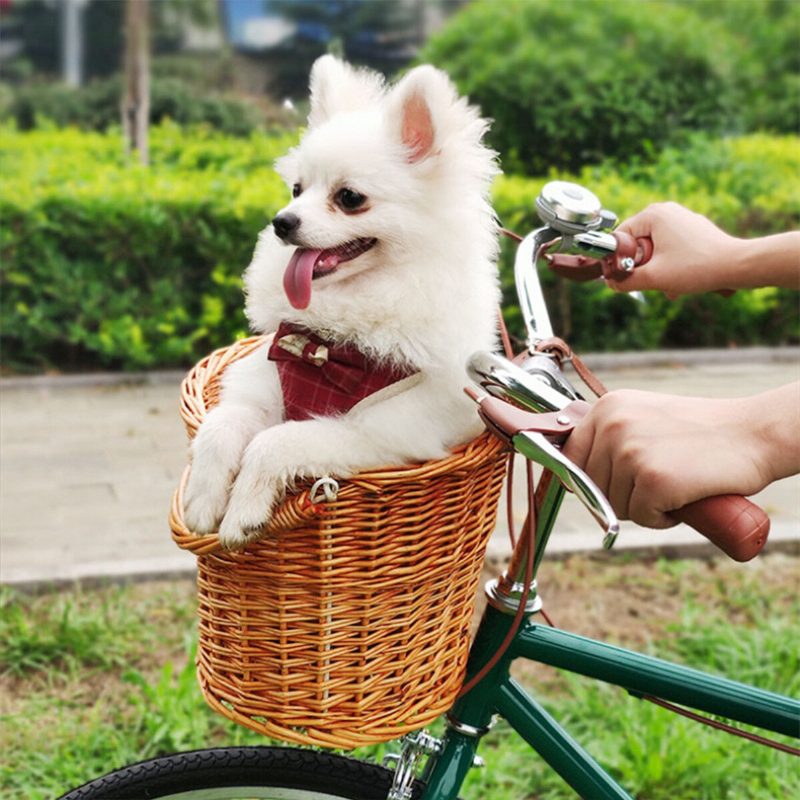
627 264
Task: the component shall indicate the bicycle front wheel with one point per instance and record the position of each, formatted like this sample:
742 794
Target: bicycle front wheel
243 773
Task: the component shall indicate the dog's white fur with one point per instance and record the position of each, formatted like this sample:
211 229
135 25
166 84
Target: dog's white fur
426 295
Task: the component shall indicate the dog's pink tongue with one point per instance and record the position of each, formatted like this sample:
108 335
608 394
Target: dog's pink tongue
298 276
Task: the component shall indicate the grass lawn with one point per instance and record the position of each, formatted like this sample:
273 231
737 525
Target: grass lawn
92 679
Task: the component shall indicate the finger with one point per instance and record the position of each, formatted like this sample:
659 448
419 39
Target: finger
579 444
620 489
643 510
640 279
598 468
638 225
631 283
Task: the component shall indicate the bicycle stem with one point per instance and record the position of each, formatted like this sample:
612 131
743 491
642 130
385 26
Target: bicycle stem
505 593
529 289
573 217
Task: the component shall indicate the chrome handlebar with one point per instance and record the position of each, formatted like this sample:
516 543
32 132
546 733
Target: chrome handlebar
531 256
575 224
572 243
574 219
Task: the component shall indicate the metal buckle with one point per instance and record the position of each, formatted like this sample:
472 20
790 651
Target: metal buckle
296 343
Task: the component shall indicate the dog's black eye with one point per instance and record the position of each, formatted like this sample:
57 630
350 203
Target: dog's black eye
297 190
348 200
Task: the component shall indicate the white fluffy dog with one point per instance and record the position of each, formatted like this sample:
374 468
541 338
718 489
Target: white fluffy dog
388 247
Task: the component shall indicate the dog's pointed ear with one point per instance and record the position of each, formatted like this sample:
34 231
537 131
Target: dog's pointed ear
336 87
415 105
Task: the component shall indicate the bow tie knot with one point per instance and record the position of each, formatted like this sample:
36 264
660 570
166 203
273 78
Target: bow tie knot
321 378
344 366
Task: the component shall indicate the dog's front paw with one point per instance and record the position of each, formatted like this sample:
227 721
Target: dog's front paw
233 536
204 501
253 499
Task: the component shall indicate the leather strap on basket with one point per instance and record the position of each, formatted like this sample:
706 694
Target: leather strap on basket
561 351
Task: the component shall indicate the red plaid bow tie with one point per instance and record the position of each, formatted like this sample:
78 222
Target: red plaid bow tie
319 378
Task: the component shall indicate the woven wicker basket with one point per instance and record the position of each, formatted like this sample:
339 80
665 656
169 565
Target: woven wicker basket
348 622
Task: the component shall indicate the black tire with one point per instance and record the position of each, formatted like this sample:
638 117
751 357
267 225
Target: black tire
295 774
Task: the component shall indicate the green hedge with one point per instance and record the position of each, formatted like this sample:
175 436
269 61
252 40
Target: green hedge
96 106
106 264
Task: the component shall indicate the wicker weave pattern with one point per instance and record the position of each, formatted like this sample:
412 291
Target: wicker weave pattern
347 624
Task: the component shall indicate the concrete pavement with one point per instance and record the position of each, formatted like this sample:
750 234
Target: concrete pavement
88 465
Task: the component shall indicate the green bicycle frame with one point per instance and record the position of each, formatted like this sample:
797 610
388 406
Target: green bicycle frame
498 693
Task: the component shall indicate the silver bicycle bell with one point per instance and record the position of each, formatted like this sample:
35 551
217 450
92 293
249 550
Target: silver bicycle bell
570 208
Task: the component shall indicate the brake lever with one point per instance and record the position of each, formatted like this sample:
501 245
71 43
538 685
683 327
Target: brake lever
537 447
731 522
536 435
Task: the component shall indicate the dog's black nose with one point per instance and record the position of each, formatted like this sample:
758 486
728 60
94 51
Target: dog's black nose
284 224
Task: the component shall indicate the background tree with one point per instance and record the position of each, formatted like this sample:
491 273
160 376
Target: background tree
573 82
136 60
136 68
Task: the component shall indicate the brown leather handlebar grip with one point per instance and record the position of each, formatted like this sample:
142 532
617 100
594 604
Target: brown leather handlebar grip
733 523
639 249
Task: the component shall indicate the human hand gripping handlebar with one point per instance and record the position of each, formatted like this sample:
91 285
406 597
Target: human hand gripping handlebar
612 256
577 241
733 523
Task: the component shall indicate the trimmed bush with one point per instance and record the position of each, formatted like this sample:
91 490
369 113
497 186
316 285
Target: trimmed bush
767 77
106 264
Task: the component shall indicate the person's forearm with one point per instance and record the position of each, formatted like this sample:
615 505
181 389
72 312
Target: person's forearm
767 261
775 427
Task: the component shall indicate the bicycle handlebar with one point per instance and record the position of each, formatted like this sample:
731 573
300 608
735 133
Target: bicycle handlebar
736 525
577 241
596 254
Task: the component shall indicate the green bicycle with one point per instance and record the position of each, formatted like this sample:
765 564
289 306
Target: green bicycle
543 408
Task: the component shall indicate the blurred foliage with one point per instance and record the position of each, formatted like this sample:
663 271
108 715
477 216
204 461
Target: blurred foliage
379 35
97 106
571 82
747 185
210 71
767 78
106 264
38 24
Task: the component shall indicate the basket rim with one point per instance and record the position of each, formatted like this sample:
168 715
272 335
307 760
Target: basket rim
298 509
